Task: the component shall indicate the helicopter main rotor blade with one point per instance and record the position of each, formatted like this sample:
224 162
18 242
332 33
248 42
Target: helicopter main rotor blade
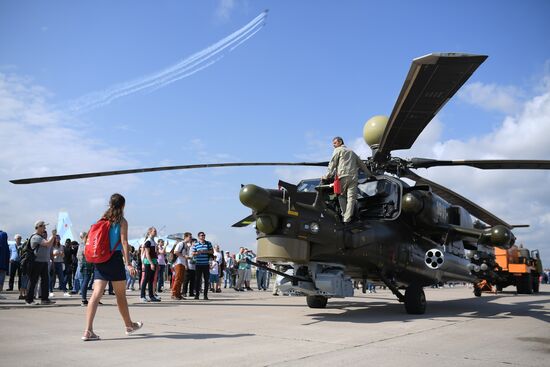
456 199
156 169
432 80
482 164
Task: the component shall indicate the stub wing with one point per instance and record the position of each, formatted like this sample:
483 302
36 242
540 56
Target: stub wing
245 221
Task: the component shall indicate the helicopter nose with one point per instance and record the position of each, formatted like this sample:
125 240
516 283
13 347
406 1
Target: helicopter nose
254 197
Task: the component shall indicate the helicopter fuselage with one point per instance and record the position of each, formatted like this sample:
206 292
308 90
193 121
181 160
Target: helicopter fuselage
396 227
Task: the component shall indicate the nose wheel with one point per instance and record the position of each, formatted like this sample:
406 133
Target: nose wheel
415 300
316 301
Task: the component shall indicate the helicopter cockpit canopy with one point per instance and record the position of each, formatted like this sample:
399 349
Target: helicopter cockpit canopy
379 198
308 185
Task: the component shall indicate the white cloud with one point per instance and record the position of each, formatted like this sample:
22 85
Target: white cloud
39 141
492 97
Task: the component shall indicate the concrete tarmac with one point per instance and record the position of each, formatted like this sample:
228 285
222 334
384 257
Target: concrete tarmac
258 329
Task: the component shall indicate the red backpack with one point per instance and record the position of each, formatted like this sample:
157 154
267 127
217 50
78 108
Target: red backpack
98 245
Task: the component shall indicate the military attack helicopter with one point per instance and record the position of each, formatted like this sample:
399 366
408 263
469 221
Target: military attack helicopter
405 237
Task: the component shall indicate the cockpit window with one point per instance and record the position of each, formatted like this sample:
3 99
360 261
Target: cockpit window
367 189
308 185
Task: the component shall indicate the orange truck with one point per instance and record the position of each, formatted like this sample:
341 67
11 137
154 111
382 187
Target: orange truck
518 267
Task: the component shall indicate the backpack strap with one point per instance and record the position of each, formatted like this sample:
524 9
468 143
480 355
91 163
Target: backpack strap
119 243
30 244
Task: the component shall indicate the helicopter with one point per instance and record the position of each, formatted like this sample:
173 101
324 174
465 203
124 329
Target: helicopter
404 236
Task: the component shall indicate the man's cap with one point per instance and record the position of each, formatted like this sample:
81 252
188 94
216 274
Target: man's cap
40 223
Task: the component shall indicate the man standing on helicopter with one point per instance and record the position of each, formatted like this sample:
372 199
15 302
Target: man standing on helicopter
345 165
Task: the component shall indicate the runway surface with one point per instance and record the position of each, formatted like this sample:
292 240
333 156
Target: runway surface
258 329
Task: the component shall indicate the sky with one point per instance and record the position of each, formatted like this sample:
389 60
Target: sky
102 86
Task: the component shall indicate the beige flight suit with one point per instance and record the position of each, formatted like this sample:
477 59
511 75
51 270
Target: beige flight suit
346 164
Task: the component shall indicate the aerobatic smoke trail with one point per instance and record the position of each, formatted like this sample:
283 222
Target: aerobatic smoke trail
171 74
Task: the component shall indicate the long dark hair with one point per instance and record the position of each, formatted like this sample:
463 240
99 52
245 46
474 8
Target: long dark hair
115 213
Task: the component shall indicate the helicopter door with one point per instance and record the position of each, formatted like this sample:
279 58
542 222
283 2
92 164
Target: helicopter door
379 199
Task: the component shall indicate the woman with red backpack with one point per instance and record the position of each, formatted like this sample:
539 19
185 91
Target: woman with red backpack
112 269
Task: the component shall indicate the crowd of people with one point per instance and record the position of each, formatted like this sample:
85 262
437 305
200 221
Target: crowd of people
186 267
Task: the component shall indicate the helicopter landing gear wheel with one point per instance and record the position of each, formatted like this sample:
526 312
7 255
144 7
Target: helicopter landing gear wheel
525 284
535 284
316 301
415 300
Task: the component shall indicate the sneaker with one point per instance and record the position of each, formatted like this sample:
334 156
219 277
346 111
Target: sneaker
66 294
51 295
176 298
47 302
205 298
30 303
84 303
218 290
22 297
197 297
154 299
144 300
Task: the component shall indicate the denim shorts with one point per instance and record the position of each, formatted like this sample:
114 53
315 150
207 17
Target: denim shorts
214 278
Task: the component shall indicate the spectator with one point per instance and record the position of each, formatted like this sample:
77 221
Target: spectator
150 263
15 260
201 252
39 269
131 279
180 266
234 270
189 281
4 258
227 278
250 255
261 276
58 251
218 256
113 270
214 277
241 260
86 270
78 278
161 257
68 264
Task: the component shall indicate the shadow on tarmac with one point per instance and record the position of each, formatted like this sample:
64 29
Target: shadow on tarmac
178 336
475 307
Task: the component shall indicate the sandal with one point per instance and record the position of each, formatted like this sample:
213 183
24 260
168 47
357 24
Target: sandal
90 336
135 327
